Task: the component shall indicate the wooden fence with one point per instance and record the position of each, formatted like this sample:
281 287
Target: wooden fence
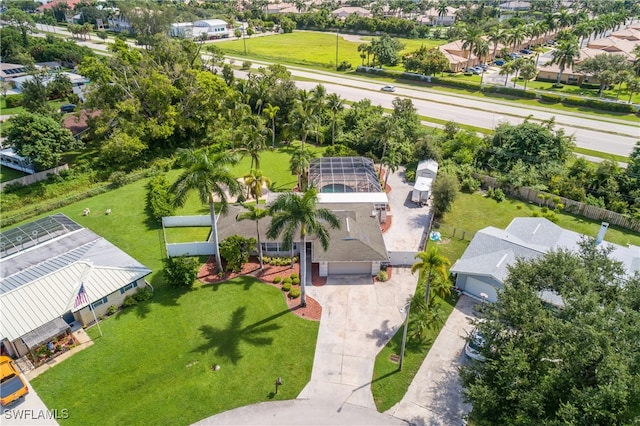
571 206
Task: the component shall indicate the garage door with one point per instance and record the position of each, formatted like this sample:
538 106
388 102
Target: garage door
476 287
350 268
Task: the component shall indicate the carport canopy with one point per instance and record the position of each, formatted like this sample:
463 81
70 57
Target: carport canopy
45 332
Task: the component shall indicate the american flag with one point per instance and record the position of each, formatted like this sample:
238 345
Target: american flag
81 297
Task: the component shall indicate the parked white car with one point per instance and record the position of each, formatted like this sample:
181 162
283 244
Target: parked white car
474 345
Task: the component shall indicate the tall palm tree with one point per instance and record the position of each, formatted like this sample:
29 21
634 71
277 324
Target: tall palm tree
253 139
392 160
255 213
528 72
430 262
386 131
443 9
254 182
271 111
565 55
495 36
506 70
470 38
292 213
516 36
481 50
335 104
208 174
299 164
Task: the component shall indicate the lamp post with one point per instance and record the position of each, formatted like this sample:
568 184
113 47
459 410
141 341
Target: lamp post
404 333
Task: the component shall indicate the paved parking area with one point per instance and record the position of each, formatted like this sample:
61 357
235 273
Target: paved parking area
435 396
409 220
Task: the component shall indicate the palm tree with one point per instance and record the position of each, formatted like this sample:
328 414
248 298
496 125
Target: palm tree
470 38
565 55
528 72
516 36
255 213
430 262
392 160
495 36
253 139
443 9
254 182
481 50
209 175
335 104
292 213
507 69
271 111
386 131
298 165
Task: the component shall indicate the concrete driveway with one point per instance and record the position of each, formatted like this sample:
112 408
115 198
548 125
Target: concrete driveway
31 411
435 395
409 221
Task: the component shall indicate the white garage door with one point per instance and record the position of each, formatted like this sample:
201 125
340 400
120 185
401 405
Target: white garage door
350 268
476 287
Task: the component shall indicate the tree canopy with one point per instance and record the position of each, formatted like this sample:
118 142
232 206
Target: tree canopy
39 137
550 365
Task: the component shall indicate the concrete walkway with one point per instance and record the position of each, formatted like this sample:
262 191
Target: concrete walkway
435 395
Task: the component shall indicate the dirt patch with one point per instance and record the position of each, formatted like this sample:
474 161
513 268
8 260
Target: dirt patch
208 274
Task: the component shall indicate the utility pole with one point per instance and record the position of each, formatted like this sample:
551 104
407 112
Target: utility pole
337 39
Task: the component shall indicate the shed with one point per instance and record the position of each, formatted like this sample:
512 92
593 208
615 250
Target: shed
426 173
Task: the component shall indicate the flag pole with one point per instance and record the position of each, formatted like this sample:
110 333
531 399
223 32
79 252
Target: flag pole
93 311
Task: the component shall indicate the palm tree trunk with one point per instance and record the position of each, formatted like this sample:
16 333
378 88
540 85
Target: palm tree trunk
560 75
333 130
273 133
259 246
303 271
427 293
214 232
386 176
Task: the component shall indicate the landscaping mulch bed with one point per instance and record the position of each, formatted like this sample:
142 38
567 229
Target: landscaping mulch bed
389 268
313 311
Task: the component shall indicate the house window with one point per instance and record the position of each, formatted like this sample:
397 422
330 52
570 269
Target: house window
277 247
128 287
98 303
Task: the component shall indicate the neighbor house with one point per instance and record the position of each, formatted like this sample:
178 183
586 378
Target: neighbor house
211 28
181 29
433 17
9 158
10 71
43 266
346 11
483 267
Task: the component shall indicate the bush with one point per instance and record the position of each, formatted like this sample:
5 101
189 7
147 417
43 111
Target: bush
286 286
235 251
470 185
118 179
609 106
246 65
287 280
344 66
296 281
13 101
294 293
574 101
410 175
557 85
511 91
277 279
498 195
143 294
382 276
550 97
160 198
461 84
129 301
181 272
294 275
112 310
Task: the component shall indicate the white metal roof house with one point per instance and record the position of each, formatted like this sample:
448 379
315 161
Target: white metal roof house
483 267
181 29
426 173
42 267
213 28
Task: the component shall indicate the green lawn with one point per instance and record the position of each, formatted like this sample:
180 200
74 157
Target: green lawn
389 384
568 89
7 174
153 365
309 48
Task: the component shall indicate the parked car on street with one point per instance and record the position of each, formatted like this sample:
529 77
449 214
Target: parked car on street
514 55
526 51
388 88
499 62
12 385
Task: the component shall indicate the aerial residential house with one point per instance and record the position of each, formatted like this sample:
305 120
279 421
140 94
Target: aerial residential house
9 158
458 56
483 267
78 82
346 11
433 17
44 266
515 6
10 71
281 8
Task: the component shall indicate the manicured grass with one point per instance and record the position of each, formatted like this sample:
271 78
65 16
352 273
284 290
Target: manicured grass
309 48
7 174
187 234
390 384
153 365
568 89
606 156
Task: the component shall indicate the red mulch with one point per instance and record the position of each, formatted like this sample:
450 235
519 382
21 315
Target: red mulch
384 227
375 279
313 311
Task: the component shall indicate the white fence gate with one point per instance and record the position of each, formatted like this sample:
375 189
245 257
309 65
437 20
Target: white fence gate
402 258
